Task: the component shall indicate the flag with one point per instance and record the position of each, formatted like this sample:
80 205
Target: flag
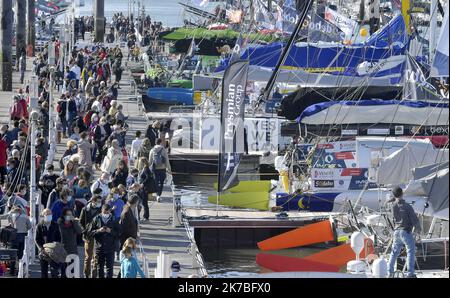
440 61
397 4
192 48
236 53
343 23
416 86
201 3
232 124
320 29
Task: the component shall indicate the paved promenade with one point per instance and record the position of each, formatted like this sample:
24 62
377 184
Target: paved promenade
156 234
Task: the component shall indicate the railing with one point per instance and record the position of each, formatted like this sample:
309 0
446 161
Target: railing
198 262
143 259
29 251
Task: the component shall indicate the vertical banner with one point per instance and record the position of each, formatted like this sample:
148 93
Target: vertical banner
232 124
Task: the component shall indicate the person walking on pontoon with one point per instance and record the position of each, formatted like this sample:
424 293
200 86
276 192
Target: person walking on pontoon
406 224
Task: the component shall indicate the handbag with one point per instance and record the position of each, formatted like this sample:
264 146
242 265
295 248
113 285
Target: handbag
8 234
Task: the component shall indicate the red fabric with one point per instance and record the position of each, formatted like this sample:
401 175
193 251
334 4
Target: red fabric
280 263
125 156
437 141
23 102
16 110
3 153
87 118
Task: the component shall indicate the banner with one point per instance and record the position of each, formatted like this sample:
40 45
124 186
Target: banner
343 23
320 29
232 124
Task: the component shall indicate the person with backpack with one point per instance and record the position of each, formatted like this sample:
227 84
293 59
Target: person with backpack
159 161
105 231
19 221
70 228
88 213
47 231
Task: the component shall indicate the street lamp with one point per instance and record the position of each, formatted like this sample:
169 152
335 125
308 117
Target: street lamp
51 126
34 116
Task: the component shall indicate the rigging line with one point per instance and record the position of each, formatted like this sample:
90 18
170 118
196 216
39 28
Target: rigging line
341 106
20 168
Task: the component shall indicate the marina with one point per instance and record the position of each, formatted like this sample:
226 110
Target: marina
270 139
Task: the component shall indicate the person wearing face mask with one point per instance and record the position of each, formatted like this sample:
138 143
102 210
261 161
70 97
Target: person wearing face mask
17 200
20 221
47 183
11 170
101 133
70 228
102 183
116 205
66 201
133 177
47 231
88 213
112 158
120 175
105 231
115 202
55 194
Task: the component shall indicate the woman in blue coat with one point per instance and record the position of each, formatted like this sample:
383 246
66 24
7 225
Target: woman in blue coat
129 265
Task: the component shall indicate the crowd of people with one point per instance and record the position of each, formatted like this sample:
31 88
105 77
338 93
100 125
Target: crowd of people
96 194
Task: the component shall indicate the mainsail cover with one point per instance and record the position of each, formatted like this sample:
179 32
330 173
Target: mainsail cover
376 111
432 182
397 167
440 63
232 124
375 58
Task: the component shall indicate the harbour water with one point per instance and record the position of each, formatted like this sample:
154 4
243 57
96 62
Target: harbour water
169 12
231 262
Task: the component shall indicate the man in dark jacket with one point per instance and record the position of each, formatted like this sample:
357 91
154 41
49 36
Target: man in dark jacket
405 224
153 133
128 220
148 186
55 194
47 184
88 213
105 231
47 231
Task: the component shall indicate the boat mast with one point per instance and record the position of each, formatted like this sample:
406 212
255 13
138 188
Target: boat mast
433 27
284 54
